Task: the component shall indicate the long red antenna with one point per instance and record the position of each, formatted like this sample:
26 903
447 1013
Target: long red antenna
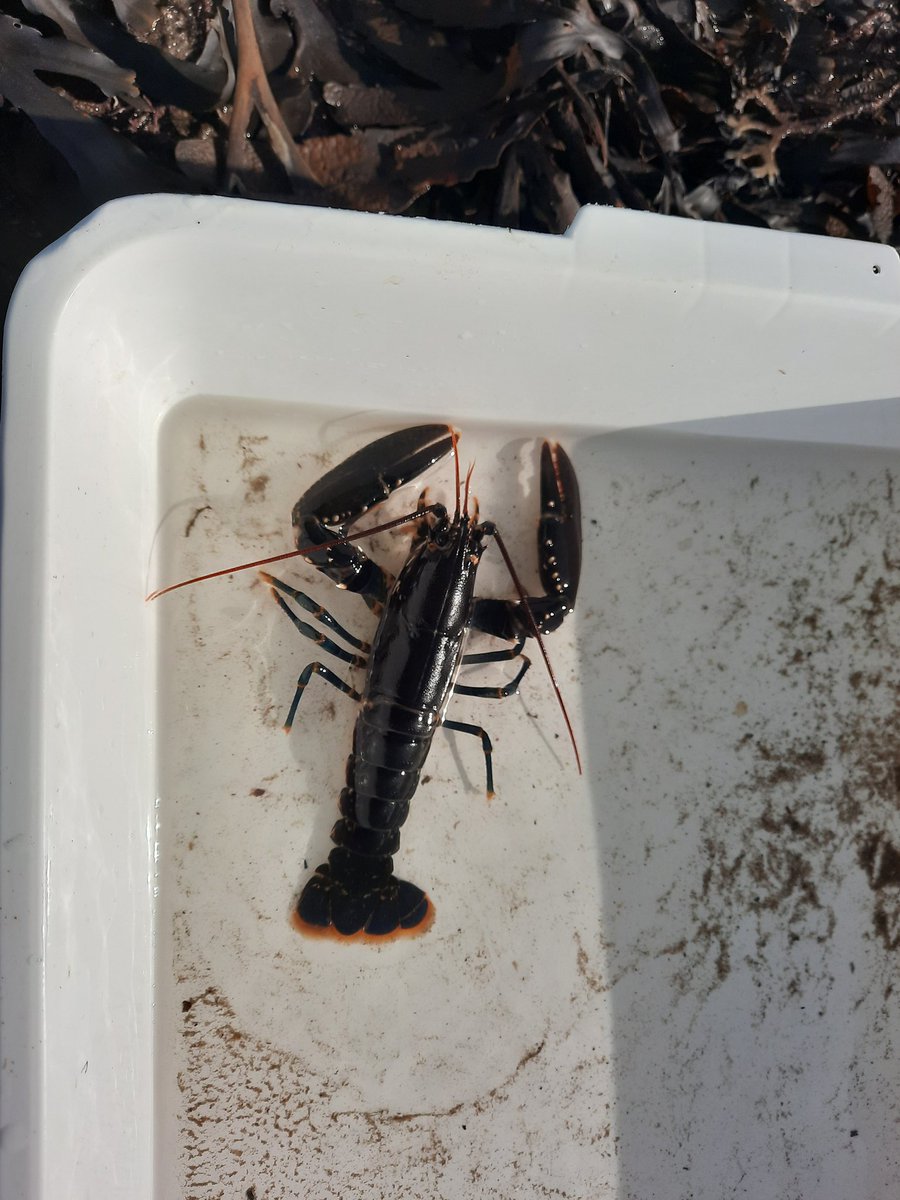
304 554
468 481
455 438
537 633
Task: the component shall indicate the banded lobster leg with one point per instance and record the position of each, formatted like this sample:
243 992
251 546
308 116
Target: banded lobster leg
559 557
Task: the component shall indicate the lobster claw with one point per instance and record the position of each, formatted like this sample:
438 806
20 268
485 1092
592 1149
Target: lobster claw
559 537
559 556
369 476
349 490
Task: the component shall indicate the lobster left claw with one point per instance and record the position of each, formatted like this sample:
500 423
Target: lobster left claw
559 554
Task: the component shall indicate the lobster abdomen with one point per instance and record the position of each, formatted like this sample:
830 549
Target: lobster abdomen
390 745
413 662
356 892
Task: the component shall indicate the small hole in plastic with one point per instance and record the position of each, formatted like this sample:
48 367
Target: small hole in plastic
876 270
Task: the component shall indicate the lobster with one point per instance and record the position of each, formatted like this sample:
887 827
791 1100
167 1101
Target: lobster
412 663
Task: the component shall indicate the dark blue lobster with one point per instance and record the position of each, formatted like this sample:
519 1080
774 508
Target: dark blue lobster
412 663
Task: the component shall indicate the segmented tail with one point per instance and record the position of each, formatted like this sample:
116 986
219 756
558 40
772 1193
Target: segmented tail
355 895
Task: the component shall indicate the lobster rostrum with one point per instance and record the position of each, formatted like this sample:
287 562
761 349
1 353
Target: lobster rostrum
412 663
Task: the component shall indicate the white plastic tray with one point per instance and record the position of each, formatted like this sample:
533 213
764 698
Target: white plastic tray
668 979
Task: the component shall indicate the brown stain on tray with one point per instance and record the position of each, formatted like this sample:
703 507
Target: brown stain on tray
816 800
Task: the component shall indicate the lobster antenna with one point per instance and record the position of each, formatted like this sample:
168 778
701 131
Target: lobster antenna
455 439
306 555
468 481
540 641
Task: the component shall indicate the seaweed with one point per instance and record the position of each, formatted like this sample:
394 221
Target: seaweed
779 113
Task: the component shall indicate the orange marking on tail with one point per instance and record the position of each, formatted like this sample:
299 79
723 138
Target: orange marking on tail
328 933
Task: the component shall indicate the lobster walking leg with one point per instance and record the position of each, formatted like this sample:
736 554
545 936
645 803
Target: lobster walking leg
494 693
320 613
492 656
316 668
316 635
477 731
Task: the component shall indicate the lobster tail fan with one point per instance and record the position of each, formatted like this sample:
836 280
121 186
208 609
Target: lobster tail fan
356 897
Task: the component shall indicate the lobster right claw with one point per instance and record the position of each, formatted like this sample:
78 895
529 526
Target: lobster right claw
369 476
559 557
334 502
